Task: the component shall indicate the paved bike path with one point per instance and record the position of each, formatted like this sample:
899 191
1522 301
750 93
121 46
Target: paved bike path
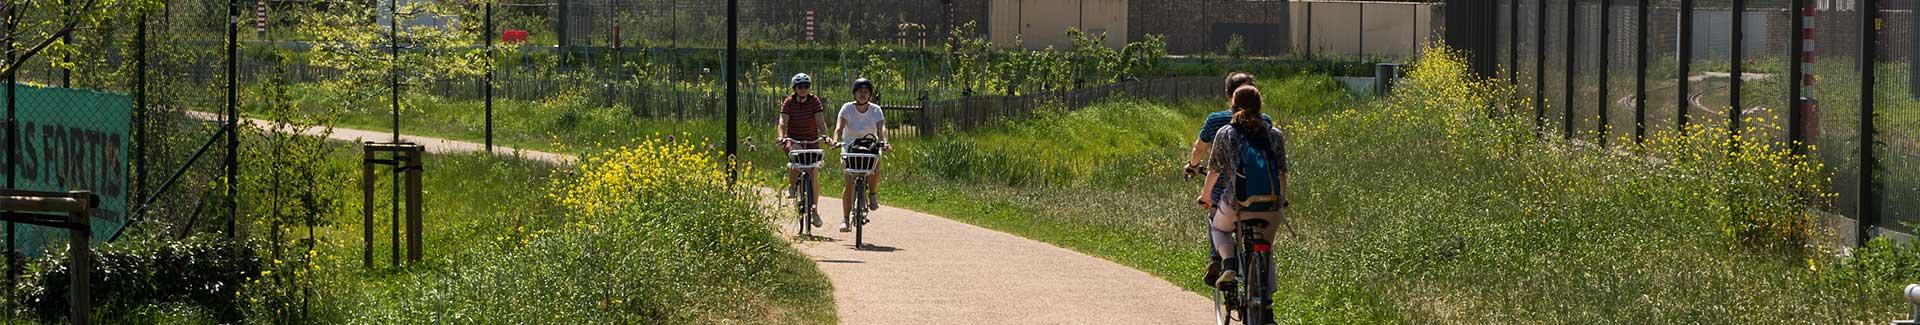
923 269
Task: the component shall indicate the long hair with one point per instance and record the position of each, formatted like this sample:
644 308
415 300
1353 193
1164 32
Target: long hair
1247 108
1235 80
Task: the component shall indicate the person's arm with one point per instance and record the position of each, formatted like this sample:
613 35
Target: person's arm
1285 201
881 125
1286 167
1206 192
840 128
822 119
1199 153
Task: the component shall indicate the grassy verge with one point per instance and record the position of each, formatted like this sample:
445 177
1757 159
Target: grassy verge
1419 209
518 241
522 242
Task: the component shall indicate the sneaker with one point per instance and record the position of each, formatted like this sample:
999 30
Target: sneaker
814 219
1226 280
1213 272
844 227
873 202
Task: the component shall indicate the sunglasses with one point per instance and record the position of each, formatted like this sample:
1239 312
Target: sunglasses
803 86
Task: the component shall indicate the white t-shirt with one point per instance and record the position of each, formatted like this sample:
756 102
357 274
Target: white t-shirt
859 124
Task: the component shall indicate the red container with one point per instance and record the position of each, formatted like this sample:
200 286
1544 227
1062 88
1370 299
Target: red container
514 36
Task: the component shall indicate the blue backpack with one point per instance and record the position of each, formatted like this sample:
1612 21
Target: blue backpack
1258 184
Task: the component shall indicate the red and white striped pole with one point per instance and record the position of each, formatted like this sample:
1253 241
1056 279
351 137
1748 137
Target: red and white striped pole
809 25
1809 114
260 18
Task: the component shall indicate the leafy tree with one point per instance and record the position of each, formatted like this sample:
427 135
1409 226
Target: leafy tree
42 27
351 38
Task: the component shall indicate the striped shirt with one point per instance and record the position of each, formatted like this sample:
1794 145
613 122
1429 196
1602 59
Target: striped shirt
803 117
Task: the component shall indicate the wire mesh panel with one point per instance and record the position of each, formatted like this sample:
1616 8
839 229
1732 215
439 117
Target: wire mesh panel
1897 118
186 76
1623 25
1587 54
1767 60
1503 38
1528 60
1837 141
1556 63
1663 72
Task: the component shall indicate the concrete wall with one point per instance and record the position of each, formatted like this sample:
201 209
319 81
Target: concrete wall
1204 26
1039 24
1363 28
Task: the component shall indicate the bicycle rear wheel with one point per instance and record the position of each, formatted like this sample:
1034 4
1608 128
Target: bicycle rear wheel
1221 314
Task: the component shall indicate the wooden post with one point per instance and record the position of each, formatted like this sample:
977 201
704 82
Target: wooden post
366 208
76 205
80 256
413 168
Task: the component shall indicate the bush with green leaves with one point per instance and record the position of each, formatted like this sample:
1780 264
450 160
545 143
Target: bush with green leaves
652 234
205 273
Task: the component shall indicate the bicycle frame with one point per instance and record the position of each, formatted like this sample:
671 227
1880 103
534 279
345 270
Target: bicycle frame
858 166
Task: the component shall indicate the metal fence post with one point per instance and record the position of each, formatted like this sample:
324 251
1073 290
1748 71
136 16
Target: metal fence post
233 117
1513 42
1640 76
1573 67
486 89
13 154
1606 55
1733 86
1685 68
1869 205
140 110
1540 68
733 86
1796 42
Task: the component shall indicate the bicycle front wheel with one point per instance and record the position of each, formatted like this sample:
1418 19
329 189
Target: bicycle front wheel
859 213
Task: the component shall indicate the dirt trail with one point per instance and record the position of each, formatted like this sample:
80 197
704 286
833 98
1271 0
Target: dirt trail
923 269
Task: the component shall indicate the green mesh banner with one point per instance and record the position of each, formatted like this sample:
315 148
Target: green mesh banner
73 139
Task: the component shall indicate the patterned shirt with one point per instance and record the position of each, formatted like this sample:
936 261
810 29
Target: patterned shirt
1225 157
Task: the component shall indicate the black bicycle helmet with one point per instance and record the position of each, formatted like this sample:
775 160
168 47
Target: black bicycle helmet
863 83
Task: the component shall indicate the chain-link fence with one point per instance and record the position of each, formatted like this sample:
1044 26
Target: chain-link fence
1732 63
662 59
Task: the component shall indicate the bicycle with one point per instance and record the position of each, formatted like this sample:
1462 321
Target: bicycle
858 159
1251 293
805 161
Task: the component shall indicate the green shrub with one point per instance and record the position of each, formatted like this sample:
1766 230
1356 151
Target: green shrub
205 273
653 235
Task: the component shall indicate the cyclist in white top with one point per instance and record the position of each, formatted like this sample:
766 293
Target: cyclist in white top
859 119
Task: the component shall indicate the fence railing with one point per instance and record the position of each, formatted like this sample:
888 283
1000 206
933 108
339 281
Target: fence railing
1818 77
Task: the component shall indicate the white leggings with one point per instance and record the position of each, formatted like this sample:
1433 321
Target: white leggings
1223 243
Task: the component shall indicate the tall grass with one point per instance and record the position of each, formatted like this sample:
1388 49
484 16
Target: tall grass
1421 208
647 233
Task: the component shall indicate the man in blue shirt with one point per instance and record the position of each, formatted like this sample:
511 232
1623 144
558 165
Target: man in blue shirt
1204 145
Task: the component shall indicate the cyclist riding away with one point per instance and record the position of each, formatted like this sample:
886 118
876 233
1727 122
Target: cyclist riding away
861 119
1249 159
801 120
1203 146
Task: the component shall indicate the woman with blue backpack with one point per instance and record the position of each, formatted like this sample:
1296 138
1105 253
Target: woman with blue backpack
1248 158
1204 145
